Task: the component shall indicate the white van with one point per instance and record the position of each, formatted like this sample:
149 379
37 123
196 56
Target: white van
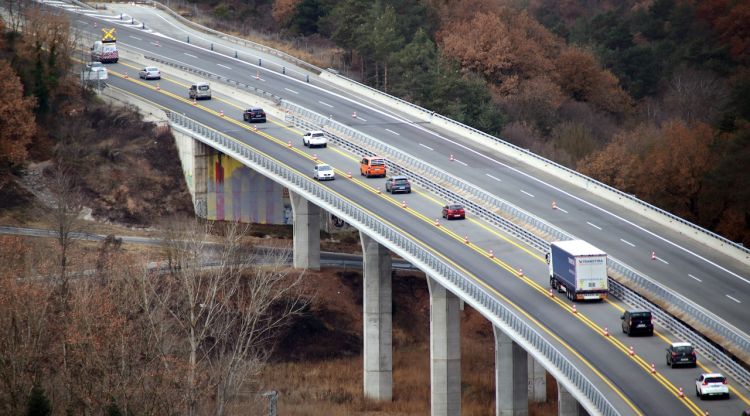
200 91
94 71
104 52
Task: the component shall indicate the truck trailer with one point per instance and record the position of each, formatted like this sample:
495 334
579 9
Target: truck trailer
578 269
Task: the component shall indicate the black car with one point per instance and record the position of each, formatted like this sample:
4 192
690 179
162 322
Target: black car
637 321
681 353
254 114
398 184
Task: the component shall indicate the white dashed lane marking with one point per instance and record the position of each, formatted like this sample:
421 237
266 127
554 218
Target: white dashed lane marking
594 225
291 90
325 104
662 260
527 193
135 37
223 66
695 277
458 161
492 177
391 131
426 147
734 299
627 242
192 56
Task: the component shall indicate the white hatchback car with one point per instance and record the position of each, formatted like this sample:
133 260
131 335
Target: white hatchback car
315 138
150 72
323 172
711 384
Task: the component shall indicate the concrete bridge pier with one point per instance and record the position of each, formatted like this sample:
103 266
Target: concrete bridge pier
377 309
445 351
567 405
537 381
511 377
306 223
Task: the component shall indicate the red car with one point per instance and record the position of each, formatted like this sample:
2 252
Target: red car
454 211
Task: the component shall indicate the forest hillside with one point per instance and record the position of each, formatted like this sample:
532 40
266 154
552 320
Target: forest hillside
652 97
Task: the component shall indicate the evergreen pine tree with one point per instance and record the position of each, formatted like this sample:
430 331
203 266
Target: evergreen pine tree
38 404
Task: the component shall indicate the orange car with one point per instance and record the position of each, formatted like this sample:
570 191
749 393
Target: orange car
372 166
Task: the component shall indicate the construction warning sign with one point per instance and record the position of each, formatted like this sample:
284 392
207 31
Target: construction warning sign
109 35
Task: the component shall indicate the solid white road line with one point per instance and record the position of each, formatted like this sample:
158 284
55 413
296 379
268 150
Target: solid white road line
223 66
192 56
527 193
627 242
426 147
695 277
734 299
594 225
492 177
391 131
325 104
292 91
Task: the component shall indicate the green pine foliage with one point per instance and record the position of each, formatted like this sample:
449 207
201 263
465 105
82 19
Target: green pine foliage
38 404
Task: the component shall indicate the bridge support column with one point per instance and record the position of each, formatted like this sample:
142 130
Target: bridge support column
445 351
201 153
377 306
511 377
306 225
537 381
567 405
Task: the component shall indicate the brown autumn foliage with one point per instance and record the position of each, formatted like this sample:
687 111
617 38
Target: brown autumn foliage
581 76
506 46
283 10
17 124
731 20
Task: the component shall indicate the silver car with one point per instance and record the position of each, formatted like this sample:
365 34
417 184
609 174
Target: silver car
150 72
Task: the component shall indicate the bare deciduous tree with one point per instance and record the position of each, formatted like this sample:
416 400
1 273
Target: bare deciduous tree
216 311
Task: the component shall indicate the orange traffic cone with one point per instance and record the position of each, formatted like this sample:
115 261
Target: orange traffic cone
451 158
126 74
348 174
466 239
653 255
653 368
403 204
574 308
492 254
520 272
437 223
554 205
631 351
551 293
606 330
221 113
354 114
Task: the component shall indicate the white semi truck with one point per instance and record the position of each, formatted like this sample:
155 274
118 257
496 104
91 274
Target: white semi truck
579 269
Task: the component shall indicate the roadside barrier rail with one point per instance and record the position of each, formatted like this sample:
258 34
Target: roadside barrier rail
453 279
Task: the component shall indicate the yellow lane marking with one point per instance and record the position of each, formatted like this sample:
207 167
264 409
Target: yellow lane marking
479 281
586 321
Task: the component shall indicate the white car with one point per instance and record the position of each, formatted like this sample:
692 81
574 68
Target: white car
711 384
315 138
94 71
150 72
323 172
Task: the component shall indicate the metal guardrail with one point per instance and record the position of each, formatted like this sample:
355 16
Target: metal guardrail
218 47
568 171
209 75
487 206
458 282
